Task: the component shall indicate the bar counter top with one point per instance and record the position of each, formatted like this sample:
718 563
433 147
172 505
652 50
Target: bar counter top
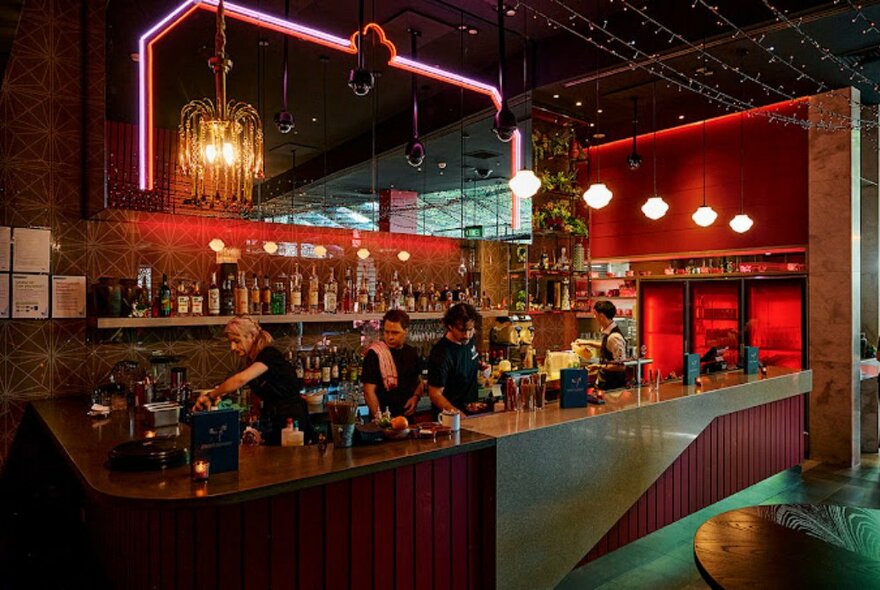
263 470
505 424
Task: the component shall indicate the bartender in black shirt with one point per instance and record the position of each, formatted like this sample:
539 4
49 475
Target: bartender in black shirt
454 361
270 376
400 395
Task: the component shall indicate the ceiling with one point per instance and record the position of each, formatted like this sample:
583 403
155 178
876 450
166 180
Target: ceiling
351 146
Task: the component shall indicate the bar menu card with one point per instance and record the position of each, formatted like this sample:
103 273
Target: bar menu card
5 249
31 249
215 436
30 296
68 297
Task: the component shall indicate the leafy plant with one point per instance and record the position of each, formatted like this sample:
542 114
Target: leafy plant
557 216
551 144
563 181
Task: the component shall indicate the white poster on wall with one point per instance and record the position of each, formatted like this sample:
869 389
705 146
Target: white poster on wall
30 296
5 248
68 297
4 295
30 249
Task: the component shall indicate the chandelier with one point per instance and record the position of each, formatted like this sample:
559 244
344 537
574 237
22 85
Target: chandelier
221 143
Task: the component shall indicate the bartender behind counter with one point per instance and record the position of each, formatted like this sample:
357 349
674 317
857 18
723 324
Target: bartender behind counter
391 369
612 373
454 361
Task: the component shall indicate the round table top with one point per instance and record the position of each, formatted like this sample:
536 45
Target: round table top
791 546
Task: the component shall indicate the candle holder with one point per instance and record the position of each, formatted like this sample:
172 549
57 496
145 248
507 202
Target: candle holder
200 469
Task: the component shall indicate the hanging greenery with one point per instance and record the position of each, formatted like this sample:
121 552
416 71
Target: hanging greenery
557 216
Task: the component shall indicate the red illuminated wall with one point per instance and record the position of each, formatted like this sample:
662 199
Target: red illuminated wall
775 187
662 325
775 321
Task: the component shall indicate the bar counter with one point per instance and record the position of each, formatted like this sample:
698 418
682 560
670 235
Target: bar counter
515 500
263 470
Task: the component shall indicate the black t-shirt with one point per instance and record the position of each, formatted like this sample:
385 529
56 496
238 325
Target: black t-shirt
454 367
279 390
406 360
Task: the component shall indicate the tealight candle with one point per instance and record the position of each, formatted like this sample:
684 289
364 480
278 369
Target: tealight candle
200 469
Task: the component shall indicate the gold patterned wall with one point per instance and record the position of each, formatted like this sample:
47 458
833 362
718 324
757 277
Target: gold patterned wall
50 157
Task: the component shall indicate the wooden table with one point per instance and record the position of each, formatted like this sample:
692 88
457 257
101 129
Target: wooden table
791 546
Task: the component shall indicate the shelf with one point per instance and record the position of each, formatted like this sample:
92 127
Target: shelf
722 275
182 322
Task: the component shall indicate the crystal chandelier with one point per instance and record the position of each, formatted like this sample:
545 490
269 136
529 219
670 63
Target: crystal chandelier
221 143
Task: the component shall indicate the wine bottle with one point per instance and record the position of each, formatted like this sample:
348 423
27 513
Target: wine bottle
256 303
266 296
213 296
330 294
164 298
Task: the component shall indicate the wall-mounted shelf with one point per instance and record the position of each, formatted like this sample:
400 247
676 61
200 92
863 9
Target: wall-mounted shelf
182 322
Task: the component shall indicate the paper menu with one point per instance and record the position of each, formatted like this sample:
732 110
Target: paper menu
30 296
5 248
31 249
68 296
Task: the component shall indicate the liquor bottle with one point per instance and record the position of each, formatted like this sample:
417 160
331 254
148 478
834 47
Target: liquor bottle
279 299
326 371
331 290
348 293
197 300
421 298
164 298
395 292
296 291
300 370
227 296
432 298
409 298
182 300
566 296
255 303
266 296
379 298
242 294
363 296
313 291
213 296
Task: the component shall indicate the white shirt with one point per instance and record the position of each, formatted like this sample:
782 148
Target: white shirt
616 343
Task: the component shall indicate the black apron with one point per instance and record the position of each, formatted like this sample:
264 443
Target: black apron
610 379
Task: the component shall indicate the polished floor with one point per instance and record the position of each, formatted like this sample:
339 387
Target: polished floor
664 559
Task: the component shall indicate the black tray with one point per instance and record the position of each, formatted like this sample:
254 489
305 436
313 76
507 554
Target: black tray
148 454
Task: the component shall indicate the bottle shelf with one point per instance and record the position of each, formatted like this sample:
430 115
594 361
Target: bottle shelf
179 322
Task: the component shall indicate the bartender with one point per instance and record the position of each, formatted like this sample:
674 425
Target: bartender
454 361
612 373
271 378
391 369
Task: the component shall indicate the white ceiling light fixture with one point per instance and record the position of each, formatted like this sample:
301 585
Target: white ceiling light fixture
363 253
655 207
403 255
741 223
705 215
320 251
270 247
216 245
597 195
524 184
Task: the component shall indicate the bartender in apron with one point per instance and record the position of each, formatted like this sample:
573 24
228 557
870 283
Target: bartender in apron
612 373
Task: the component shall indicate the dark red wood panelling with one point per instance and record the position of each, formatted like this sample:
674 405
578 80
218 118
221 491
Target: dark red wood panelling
776 202
733 452
283 548
431 525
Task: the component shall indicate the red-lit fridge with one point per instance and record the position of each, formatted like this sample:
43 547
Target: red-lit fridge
775 310
715 320
661 329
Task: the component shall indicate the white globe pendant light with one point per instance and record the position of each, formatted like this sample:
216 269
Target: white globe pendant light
741 223
704 216
524 184
598 195
655 207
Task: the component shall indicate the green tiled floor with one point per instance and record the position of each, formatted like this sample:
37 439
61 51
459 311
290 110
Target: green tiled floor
664 559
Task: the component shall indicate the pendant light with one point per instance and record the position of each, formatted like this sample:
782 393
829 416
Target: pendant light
634 160
741 223
597 195
284 121
704 216
505 120
655 207
360 79
525 183
415 149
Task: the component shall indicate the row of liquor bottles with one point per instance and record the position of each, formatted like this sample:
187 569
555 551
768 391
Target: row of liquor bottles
236 295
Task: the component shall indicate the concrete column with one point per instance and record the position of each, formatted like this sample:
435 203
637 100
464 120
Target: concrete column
870 253
835 279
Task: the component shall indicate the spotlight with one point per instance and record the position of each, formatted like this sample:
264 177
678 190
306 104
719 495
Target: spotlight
505 124
284 122
360 81
415 152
